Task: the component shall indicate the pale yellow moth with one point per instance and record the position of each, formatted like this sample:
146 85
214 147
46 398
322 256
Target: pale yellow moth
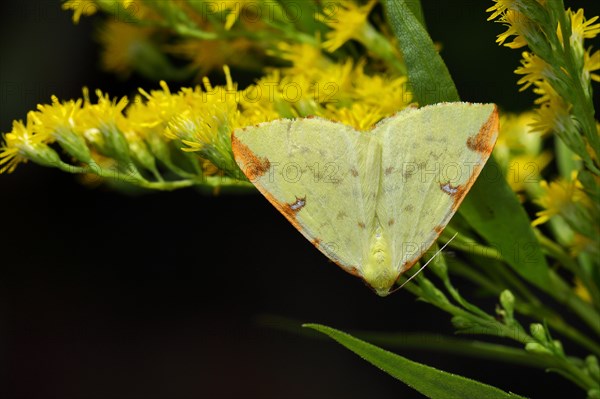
372 201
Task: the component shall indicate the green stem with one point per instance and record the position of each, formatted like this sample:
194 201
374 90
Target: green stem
515 332
457 346
132 179
557 252
379 45
538 312
577 375
471 246
582 105
564 294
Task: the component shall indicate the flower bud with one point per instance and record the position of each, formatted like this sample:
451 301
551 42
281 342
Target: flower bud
538 349
462 323
507 300
73 144
591 364
538 332
593 393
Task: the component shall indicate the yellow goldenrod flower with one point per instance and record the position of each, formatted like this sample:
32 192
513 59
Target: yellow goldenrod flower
80 7
580 28
581 291
591 63
102 124
207 55
534 70
552 114
90 7
499 8
581 244
305 58
139 150
559 197
519 151
206 120
389 93
359 115
159 107
516 135
235 8
517 25
61 121
22 144
122 43
347 23
52 119
106 110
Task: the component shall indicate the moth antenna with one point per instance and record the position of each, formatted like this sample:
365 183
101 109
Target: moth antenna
428 262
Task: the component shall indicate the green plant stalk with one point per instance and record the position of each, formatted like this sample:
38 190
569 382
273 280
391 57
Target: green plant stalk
554 320
514 332
479 279
577 375
140 181
489 323
583 108
457 346
539 312
380 46
565 295
472 247
558 253
513 283
463 302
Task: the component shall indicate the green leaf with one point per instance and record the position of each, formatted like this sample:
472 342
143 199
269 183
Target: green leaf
428 75
494 211
431 382
417 10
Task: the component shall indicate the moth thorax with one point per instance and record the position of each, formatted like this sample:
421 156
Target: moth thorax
378 270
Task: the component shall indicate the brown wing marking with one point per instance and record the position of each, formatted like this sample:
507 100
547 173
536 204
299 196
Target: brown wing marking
252 166
484 141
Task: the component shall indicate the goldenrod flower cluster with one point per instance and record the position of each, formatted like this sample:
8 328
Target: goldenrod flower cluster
560 70
186 135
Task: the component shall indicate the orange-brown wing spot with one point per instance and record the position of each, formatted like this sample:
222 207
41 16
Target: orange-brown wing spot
483 141
361 225
391 222
388 171
438 229
316 242
409 208
354 172
252 166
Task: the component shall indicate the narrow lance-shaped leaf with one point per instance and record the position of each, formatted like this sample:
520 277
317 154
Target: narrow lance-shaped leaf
428 75
431 382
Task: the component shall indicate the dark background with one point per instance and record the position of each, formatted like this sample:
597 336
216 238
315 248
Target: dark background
106 295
